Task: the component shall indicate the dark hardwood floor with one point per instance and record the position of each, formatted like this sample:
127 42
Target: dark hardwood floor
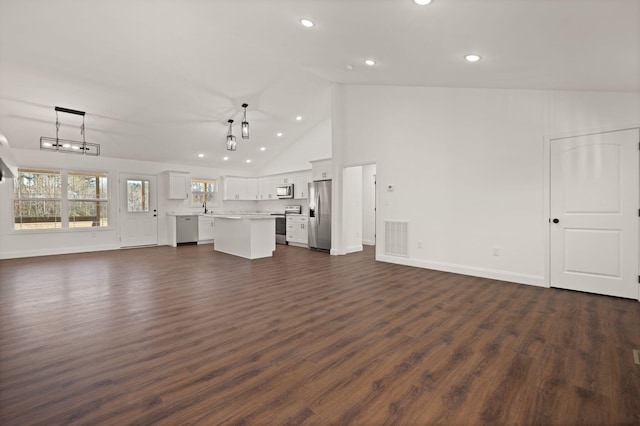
190 336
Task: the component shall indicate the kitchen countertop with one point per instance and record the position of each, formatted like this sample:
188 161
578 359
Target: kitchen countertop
185 214
256 215
249 216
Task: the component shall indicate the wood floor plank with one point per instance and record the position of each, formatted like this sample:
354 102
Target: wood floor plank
190 336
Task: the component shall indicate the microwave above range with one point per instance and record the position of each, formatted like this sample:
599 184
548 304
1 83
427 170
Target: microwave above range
284 191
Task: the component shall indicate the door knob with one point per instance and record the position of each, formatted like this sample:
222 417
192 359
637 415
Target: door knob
556 220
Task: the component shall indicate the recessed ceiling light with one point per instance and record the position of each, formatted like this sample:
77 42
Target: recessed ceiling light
225 158
370 62
263 149
279 134
349 67
200 155
248 161
472 58
307 22
422 2
299 118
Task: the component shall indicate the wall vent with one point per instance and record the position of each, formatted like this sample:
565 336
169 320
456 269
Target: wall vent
396 238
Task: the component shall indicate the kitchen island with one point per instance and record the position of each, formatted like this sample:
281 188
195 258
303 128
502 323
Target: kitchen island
251 236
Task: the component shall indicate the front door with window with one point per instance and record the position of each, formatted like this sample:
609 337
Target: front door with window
138 210
594 213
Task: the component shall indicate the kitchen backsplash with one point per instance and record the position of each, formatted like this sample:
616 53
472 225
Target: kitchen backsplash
271 206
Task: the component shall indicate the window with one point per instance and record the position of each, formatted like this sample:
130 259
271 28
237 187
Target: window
37 199
51 199
88 206
202 190
137 196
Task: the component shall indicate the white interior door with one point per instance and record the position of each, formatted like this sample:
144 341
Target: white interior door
594 213
138 210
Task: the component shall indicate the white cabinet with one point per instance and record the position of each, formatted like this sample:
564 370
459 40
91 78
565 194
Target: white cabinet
205 229
179 186
301 185
235 188
297 230
284 179
264 188
251 189
240 188
267 188
321 169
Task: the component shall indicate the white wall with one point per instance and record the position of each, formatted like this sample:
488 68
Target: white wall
352 209
21 244
468 167
315 145
368 204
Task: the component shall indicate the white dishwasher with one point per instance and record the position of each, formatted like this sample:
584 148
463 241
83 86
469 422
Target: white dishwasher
186 230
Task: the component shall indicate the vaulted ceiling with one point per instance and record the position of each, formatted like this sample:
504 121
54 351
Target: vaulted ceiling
159 79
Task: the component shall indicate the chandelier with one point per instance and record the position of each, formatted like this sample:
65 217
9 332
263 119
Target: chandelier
63 145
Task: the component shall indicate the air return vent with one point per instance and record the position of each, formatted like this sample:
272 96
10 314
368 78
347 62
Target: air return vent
396 238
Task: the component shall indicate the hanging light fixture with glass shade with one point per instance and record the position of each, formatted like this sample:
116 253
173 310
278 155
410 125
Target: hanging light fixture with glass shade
69 146
245 123
231 140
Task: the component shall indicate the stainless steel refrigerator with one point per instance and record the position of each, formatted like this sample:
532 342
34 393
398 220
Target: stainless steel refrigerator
320 215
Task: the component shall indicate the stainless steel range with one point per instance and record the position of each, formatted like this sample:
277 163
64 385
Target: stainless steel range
281 222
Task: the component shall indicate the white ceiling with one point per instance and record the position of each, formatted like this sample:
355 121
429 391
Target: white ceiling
159 79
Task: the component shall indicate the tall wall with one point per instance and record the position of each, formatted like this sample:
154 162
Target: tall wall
468 167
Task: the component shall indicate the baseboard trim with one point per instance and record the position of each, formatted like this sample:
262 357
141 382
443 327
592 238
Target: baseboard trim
353 249
494 274
56 251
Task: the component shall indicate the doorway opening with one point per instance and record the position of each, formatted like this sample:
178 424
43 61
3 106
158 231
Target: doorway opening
359 204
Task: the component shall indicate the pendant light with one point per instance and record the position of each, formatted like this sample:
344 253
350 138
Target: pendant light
245 123
231 140
73 147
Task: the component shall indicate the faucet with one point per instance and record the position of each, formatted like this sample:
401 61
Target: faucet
205 207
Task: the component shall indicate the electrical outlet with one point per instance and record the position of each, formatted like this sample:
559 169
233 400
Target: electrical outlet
496 251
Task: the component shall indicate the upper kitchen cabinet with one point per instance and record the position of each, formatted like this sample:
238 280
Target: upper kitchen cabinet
321 169
178 185
284 179
252 189
235 188
301 185
267 188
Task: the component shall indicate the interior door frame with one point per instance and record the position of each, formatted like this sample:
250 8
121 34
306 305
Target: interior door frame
122 205
546 210
375 199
